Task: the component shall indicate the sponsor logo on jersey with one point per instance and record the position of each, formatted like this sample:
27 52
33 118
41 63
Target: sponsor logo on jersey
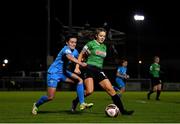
100 53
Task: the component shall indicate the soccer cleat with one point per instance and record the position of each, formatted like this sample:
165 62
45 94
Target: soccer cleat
83 106
127 112
157 99
74 105
34 109
89 105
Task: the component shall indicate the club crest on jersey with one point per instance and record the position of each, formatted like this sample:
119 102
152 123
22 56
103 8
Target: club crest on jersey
100 53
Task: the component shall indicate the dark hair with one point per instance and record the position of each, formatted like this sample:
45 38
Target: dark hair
155 57
69 36
98 30
122 60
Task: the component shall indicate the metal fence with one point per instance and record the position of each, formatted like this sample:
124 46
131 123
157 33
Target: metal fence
22 83
37 84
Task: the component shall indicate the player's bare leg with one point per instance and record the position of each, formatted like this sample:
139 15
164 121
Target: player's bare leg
89 84
50 96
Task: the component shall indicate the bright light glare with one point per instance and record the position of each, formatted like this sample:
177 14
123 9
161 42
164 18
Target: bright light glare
5 61
138 17
140 62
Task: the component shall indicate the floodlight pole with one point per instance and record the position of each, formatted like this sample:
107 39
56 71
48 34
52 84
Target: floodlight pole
48 28
138 19
48 56
70 15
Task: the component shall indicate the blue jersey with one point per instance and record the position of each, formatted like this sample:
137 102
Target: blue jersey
120 81
122 70
75 54
71 65
61 62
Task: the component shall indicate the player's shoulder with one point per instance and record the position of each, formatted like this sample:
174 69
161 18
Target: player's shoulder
66 50
153 64
65 47
91 42
119 67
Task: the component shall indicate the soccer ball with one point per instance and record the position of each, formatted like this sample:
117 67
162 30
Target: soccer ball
112 110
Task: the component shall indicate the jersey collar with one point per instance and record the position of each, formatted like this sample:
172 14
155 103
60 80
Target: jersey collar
97 42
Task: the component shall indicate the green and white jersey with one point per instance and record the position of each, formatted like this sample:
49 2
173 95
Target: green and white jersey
155 69
96 53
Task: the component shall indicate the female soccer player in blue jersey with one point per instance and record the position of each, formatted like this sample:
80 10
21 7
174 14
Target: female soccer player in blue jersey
58 72
121 76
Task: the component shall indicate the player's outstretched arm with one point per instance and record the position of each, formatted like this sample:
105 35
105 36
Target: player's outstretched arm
80 58
119 75
73 59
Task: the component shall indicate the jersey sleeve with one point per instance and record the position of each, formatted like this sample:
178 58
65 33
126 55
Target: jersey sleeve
151 68
67 51
119 70
122 70
87 48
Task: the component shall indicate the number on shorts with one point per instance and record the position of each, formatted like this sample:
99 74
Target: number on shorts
103 74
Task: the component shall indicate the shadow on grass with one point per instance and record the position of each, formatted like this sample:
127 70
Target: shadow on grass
69 112
60 111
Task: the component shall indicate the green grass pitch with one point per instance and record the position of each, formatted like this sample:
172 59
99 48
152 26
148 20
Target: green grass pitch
16 107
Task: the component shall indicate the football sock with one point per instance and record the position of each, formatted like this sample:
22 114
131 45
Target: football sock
150 92
117 101
77 99
80 92
42 100
148 95
116 88
119 94
158 94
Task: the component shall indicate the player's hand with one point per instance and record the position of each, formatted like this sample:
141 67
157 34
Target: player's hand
126 76
83 64
77 70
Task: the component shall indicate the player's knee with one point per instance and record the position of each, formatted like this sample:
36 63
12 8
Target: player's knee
123 90
159 88
89 92
50 98
78 80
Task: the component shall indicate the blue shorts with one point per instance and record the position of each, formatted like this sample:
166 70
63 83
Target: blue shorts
120 83
54 78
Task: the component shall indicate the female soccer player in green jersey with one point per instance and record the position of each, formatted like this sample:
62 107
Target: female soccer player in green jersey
95 52
155 78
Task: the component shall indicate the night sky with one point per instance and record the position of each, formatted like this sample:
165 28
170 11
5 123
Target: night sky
24 29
